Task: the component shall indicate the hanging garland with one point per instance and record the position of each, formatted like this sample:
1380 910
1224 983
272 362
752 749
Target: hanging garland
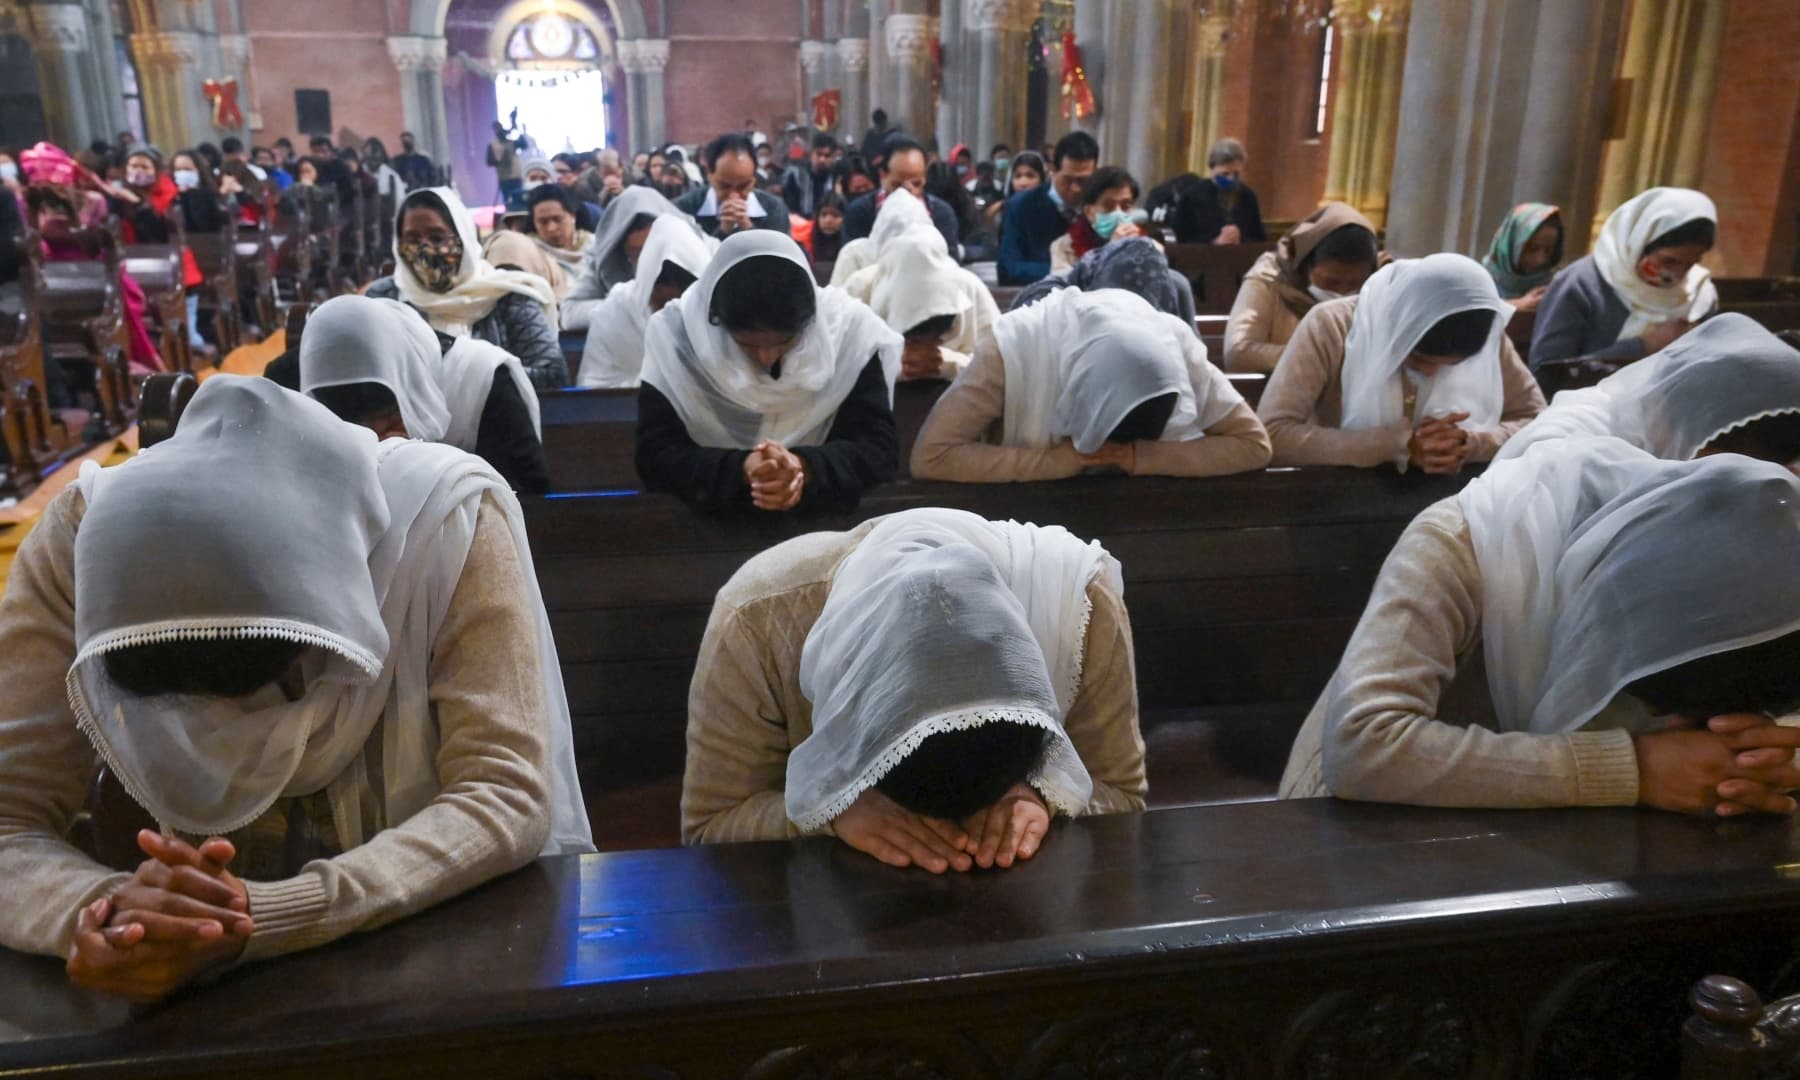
521 76
1078 96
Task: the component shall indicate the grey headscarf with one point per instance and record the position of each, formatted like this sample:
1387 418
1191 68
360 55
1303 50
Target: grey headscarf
1135 264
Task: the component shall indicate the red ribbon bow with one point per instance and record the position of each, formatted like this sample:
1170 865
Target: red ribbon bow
223 95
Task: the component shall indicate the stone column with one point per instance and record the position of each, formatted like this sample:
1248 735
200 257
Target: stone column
60 43
881 84
909 40
812 64
644 60
1566 111
1365 111
1209 89
106 102
167 79
1000 30
954 120
1672 66
1157 90
853 60
1055 124
420 61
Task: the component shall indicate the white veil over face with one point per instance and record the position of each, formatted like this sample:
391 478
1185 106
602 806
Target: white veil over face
1397 306
271 518
900 213
1723 374
728 400
1621 243
1601 565
942 621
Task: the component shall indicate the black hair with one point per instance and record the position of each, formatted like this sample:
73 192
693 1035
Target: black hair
231 144
999 146
1460 334
1078 145
205 667
852 165
210 154
99 148
831 201
573 161
675 276
640 221
953 774
880 117
900 144
1772 438
1105 180
1029 159
822 140
284 141
1147 420
732 142
555 193
764 292
319 140
941 181
1345 244
427 200
984 169
934 328
359 402
1698 231
1761 678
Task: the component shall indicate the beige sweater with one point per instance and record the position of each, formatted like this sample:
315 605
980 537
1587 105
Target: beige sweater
960 439
746 711
1260 325
1303 402
1406 718
492 815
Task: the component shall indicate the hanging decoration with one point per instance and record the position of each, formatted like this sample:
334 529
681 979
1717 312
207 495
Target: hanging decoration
223 94
522 76
825 106
1078 96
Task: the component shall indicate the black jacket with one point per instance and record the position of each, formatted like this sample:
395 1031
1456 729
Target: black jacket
861 450
859 220
1201 214
775 212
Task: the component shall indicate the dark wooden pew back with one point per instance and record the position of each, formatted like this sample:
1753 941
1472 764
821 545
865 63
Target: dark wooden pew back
1216 271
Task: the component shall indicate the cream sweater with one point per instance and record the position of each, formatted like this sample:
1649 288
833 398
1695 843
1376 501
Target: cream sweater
1261 325
746 711
1406 717
1304 400
491 816
960 437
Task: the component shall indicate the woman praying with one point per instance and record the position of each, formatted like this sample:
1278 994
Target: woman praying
1525 252
1642 288
1136 264
553 245
673 259
762 390
942 310
1105 214
333 687
611 259
1326 257
376 363
1089 381
439 269
1415 371
1581 626
900 213
931 688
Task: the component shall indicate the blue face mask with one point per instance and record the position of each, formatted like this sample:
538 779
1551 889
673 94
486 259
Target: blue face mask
1107 224
1226 181
1000 165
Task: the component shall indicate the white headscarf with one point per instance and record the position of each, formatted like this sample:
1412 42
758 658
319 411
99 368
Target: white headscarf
725 398
271 543
1620 245
915 279
942 621
613 355
1601 565
608 266
355 339
1397 306
1078 362
1723 374
479 285
900 212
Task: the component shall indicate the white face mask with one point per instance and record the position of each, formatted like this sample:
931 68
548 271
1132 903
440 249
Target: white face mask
9 171
187 179
1323 295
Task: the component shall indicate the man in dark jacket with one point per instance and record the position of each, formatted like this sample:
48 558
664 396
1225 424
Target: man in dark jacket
730 202
809 181
1035 219
1220 209
903 168
875 139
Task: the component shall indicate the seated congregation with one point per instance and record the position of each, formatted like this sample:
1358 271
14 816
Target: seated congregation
912 554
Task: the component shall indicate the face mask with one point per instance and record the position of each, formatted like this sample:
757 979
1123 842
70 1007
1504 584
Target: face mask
187 179
139 178
407 146
1226 182
962 170
532 185
1107 224
1000 165
1323 295
435 265
9 171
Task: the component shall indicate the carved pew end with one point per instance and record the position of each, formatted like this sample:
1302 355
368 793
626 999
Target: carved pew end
1722 1040
161 401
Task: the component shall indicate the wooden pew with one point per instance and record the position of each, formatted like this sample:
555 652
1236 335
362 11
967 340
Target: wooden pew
216 256
1774 315
1519 330
84 330
1242 592
295 249
157 268
1304 939
1732 1035
35 439
1742 290
254 260
1216 271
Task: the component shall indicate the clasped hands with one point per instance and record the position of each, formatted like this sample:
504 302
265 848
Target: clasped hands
181 913
1439 445
1010 830
1118 455
777 476
1736 764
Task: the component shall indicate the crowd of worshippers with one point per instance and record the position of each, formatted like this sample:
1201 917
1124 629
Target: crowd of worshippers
338 693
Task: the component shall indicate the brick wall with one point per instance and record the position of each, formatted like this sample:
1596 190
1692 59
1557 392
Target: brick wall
1752 168
334 45
731 61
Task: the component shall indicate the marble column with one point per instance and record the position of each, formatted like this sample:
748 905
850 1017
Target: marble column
1157 89
1365 110
1566 111
1671 63
644 60
831 75
881 84
1056 125
954 118
106 104
420 61
1209 89
812 65
1001 29
853 60
60 42
909 40
167 80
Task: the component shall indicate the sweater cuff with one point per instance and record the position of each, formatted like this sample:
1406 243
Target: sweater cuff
289 915
1606 772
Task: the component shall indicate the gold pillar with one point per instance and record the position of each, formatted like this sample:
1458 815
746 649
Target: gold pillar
1208 80
1370 47
1671 67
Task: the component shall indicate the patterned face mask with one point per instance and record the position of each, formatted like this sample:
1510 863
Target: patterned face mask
435 265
